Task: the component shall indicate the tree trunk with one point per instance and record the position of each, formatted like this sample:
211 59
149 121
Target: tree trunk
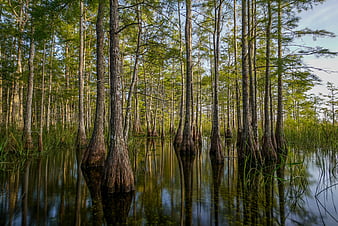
42 99
134 77
280 139
48 115
247 146
216 146
179 134
118 175
28 113
238 109
268 150
251 46
95 153
187 144
81 134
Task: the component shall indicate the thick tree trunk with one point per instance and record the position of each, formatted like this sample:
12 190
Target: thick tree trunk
81 133
187 144
28 113
280 139
268 149
118 175
95 154
216 146
247 145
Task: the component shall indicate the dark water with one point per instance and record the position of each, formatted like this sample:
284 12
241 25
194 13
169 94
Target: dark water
170 191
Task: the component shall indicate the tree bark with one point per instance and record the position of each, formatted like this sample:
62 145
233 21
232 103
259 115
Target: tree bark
238 109
95 153
216 146
42 99
28 113
81 134
134 77
179 134
252 83
187 144
280 139
118 174
247 146
268 150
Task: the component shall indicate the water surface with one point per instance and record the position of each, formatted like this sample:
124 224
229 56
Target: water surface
51 190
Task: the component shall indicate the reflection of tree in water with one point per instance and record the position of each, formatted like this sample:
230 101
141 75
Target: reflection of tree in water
257 195
93 178
186 163
78 198
281 190
217 175
25 194
116 207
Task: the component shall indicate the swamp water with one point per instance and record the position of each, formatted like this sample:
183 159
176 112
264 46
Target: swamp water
170 191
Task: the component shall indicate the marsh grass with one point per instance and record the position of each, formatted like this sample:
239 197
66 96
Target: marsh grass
13 152
311 135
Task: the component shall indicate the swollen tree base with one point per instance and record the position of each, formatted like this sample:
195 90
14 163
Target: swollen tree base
187 146
216 150
94 155
178 136
248 150
81 140
268 151
118 174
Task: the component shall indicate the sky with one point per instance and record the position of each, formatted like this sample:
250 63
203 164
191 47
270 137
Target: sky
322 16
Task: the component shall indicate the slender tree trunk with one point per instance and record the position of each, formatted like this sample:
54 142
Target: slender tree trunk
48 115
2 113
42 99
118 174
267 146
137 124
81 134
254 33
179 134
280 139
28 113
216 146
21 23
252 97
134 77
187 145
95 153
238 109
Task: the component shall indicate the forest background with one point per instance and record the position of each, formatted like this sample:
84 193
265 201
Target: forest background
48 85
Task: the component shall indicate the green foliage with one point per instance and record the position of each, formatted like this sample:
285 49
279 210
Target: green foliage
310 134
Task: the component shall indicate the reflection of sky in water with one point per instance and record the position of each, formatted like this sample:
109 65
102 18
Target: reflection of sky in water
321 198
